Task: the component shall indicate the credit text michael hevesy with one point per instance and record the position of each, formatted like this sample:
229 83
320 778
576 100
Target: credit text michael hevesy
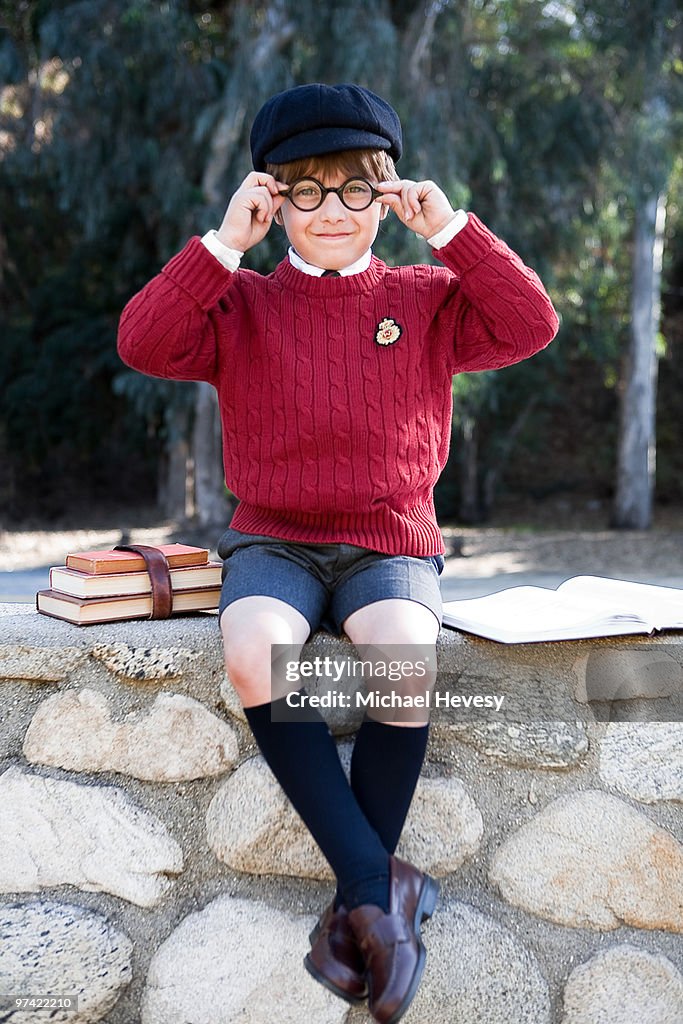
378 699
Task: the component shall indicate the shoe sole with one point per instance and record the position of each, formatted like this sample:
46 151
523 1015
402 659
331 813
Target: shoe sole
329 985
423 911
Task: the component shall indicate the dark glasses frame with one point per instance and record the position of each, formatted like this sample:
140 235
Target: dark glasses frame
324 192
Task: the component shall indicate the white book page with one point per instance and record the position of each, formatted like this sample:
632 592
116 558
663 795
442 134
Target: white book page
530 610
662 606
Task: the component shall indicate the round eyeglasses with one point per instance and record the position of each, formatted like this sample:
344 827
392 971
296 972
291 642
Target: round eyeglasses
308 193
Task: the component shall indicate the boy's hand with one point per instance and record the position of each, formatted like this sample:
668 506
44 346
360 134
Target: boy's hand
420 205
251 210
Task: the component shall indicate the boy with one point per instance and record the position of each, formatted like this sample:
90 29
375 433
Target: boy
334 381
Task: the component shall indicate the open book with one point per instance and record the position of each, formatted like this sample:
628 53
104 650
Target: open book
584 606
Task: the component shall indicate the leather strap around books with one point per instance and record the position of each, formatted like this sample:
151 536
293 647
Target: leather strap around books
160 578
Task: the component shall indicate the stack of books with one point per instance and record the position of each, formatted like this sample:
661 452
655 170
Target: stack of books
105 586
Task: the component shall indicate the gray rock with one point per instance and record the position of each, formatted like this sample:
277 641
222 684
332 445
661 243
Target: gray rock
231 701
519 744
644 760
175 738
622 985
444 826
531 691
589 860
39 664
55 949
237 961
252 827
477 973
54 832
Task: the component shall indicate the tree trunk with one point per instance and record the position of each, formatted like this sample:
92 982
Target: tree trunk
496 469
469 476
277 29
211 502
637 441
175 498
176 481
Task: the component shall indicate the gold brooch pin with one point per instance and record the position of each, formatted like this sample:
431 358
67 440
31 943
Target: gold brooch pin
388 331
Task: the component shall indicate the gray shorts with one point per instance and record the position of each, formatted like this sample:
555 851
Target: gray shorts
325 582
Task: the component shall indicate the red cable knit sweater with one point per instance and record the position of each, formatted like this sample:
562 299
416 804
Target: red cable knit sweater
336 425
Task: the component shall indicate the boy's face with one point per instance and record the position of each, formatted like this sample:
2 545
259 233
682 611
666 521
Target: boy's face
332 236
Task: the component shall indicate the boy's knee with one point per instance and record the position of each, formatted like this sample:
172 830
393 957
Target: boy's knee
244 660
393 622
248 649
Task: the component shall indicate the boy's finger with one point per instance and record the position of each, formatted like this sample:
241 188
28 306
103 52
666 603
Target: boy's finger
266 212
261 204
262 178
406 201
265 195
412 198
394 202
395 187
389 199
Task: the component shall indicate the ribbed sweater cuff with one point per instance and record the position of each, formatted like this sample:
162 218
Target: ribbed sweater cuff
468 247
198 273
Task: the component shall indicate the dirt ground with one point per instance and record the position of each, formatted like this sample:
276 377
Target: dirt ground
539 537
557 540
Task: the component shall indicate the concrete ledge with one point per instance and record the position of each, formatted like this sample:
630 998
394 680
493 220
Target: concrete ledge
140 829
199 635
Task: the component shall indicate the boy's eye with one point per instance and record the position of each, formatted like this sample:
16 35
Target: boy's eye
306 191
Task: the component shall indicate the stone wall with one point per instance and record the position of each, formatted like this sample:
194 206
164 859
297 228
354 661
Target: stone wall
151 867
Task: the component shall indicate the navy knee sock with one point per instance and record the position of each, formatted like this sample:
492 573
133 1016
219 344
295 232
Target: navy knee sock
303 758
385 768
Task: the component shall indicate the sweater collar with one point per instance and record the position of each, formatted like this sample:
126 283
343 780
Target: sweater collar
308 268
296 280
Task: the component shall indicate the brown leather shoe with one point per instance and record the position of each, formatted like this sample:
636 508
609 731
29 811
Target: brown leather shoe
335 959
391 944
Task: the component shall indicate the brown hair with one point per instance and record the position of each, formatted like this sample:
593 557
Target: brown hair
373 164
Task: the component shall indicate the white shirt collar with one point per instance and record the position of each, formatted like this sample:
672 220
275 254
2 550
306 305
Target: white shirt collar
307 268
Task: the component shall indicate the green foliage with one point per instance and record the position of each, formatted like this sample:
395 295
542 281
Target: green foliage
124 128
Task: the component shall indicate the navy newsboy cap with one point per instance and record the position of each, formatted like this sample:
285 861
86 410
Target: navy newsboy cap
310 120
